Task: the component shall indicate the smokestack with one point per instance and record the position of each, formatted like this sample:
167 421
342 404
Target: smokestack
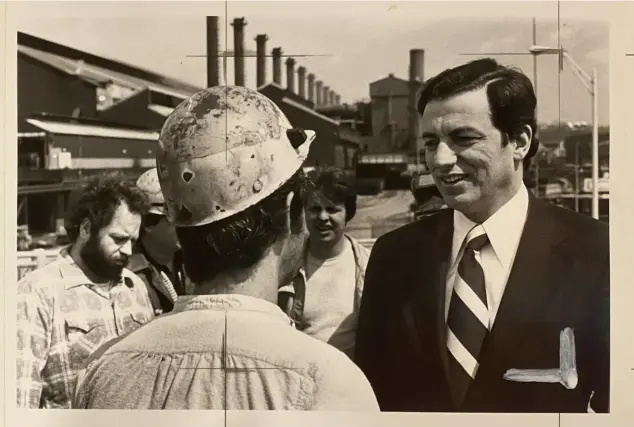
290 74
318 92
212 52
301 80
311 88
337 99
324 97
416 79
277 65
238 49
260 41
331 97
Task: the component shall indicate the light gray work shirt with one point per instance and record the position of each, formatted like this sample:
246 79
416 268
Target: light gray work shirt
221 352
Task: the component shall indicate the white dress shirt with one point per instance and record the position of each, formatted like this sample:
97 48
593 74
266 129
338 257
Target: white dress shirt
504 229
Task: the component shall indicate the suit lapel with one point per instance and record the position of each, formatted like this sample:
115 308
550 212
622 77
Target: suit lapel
424 304
532 280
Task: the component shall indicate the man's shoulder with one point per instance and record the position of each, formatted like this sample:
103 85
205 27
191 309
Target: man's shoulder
318 357
578 227
135 278
44 280
270 342
415 231
137 263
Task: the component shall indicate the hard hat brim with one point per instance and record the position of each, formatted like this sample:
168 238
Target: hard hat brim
291 164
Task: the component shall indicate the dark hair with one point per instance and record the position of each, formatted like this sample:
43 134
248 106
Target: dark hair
509 92
337 186
98 200
149 220
240 241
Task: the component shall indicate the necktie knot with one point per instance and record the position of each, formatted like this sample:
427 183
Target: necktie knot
478 239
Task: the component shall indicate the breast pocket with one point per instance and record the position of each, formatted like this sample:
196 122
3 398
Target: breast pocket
139 319
83 337
547 362
133 321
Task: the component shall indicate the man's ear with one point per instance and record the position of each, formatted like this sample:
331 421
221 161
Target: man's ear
522 143
84 229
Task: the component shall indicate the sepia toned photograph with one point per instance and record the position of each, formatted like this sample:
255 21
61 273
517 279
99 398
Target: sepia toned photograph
313 206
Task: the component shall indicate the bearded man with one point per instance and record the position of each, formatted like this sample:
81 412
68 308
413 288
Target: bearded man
86 297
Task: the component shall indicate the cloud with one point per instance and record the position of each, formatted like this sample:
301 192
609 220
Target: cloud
498 44
601 54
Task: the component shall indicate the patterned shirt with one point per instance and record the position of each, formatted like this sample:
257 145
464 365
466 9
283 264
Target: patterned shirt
62 318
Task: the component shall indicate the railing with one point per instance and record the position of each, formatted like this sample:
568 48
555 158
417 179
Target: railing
32 260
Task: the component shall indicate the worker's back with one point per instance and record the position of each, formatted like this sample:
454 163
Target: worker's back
223 352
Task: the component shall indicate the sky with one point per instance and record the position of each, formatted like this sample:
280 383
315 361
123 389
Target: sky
364 41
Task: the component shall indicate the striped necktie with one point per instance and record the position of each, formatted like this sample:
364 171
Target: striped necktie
468 319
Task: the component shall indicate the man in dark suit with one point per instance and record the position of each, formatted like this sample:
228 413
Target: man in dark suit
501 302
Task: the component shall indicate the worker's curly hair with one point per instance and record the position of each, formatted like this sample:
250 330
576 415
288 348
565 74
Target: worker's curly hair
98 200
240 241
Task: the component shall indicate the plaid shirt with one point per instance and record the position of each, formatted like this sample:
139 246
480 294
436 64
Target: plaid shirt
62 318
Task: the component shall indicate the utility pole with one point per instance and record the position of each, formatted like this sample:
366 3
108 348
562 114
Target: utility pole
534 55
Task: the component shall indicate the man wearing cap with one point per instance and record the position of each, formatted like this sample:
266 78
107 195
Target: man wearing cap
157 258
229 165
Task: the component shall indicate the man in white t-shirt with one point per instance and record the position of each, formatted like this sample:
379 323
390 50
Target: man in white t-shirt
334 265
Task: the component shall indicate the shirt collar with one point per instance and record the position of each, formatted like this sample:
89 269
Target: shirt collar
229 302
503 228
74 276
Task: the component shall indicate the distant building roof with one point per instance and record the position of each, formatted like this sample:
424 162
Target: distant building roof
287 93
99 70
287 98
63 125
391 77
389 86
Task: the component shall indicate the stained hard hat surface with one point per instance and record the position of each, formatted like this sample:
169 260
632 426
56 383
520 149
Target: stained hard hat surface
222 150
149 184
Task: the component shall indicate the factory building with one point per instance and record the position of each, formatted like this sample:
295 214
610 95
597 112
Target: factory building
301 98
81 115
395 121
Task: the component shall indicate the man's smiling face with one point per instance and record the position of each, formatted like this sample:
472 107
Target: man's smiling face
475 172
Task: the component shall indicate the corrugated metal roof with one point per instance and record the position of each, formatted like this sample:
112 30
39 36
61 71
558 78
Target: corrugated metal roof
92 130
70 53
99 75
65 65
299 106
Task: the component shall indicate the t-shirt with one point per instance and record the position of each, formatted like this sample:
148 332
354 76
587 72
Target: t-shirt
329 304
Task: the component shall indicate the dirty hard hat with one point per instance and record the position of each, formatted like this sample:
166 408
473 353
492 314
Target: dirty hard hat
224 149
149 184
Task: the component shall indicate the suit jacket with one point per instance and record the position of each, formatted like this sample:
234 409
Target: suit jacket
560 278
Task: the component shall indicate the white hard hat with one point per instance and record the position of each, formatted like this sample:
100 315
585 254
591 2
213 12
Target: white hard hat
149 184
224 149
